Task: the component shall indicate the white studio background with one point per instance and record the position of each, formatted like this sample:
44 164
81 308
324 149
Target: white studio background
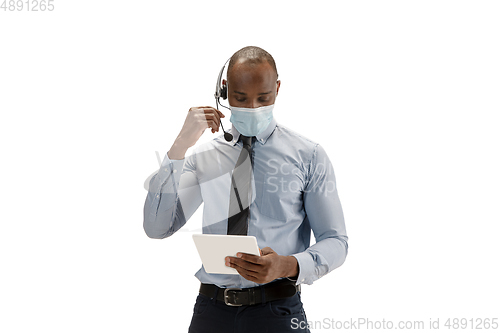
403 95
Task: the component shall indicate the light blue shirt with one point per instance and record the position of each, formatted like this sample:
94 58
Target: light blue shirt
294 192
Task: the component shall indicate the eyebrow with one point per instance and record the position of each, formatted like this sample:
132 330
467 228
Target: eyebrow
242 93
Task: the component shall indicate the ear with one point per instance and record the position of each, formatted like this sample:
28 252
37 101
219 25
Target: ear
278 83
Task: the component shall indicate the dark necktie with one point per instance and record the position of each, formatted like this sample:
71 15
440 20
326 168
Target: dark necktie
241 190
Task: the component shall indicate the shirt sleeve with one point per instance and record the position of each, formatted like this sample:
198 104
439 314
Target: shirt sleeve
173 197
326 218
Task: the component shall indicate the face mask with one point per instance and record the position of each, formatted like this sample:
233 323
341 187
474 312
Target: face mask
251 122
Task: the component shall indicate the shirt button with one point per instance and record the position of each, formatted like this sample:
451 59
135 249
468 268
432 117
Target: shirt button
175 170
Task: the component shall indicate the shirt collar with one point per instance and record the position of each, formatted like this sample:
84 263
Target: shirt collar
262 137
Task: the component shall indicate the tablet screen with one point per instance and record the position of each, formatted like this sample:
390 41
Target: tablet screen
213 249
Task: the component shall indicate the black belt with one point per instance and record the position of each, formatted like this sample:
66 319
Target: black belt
249 296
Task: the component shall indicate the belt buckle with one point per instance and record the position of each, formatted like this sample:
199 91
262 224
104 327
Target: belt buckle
226 297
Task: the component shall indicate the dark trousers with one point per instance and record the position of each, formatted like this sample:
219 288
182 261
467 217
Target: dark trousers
283 315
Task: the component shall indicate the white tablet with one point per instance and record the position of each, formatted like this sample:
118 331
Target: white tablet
213 250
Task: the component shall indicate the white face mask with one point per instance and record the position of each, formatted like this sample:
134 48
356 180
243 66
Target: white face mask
251 122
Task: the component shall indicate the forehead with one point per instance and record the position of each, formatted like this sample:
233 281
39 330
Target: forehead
246 75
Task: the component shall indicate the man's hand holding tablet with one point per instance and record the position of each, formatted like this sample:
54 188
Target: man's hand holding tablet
213 249
242 255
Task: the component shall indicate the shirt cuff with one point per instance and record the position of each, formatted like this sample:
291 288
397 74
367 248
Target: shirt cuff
306 267
174 166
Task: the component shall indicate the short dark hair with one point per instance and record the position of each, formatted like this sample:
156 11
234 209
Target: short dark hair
253 55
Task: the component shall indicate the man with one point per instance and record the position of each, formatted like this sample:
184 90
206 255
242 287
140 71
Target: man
290 191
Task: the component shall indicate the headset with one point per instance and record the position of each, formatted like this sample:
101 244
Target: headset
221 92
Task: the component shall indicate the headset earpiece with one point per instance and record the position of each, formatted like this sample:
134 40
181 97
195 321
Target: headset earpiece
221 88
223 91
